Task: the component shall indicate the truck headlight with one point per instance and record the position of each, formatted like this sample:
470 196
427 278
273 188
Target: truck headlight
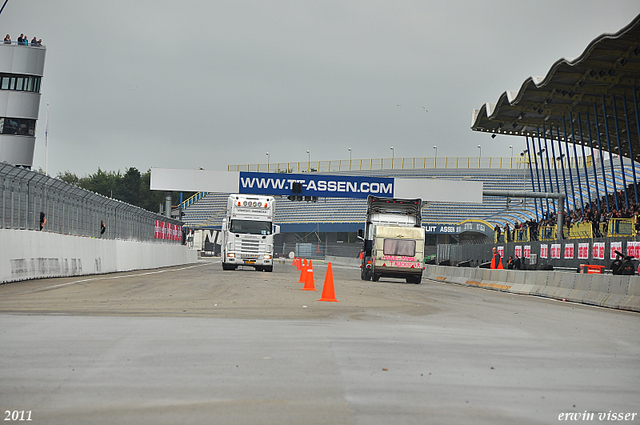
267 257
231 255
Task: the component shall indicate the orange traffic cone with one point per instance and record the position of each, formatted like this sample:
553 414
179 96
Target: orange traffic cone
328 292
303 272
294 262
309 281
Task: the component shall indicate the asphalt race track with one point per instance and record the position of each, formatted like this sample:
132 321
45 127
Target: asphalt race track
198 345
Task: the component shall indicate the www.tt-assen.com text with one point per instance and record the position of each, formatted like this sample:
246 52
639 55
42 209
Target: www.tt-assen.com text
319 185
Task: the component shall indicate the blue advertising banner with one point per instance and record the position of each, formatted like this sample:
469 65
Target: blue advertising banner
330 186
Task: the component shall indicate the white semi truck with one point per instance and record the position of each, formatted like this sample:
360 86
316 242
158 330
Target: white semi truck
248 231
393 239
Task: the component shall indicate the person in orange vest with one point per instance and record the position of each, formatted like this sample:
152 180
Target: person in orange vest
496 261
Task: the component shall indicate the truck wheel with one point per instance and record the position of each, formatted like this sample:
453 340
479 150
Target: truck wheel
375 277
414 279
226 266
268 269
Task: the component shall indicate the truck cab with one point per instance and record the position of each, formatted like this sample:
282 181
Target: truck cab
248 232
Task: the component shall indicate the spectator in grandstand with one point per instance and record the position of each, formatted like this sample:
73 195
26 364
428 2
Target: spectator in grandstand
7 39
510 263
34 41
507 233
103 227
498 232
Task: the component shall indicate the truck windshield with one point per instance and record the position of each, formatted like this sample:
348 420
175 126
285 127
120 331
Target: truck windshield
251 227
400 247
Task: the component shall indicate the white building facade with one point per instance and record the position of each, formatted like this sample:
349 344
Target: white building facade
21 71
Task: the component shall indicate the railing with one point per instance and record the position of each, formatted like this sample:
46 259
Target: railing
521 235
582 230
621 227
519 162
26 196
193 199
515 235
615 227
24 43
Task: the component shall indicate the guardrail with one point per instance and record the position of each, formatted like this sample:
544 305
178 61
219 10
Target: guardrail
34 201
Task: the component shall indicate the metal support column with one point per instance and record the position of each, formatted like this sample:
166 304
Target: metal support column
604 174
631 155
613 172
544 179
533 186
624 177
584 160
167 204
566 143
553 156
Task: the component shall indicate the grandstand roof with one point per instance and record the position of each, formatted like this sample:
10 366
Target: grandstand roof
608 69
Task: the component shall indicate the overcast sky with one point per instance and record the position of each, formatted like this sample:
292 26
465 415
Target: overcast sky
194 83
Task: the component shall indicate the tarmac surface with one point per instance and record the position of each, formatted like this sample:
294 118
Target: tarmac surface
198 345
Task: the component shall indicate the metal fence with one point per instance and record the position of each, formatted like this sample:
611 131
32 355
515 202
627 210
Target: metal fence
25 195
517 162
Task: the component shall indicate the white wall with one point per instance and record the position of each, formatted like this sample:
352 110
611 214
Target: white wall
28 254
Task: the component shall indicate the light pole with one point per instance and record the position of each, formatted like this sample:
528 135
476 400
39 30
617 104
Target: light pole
511 147
393 153
349 155
436 148
480 148
308 156
267 161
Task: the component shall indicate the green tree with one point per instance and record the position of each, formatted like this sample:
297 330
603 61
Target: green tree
104 183
68 177
128 187
150 200
132 187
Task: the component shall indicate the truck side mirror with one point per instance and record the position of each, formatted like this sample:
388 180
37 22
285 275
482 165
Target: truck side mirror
361 234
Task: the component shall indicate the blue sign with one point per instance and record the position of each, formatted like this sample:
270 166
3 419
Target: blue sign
457 228
325 186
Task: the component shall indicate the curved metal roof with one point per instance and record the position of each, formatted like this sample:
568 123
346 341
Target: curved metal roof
606 74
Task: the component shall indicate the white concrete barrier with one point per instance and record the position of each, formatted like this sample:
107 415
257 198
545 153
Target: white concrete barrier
344 261
28 254
621 292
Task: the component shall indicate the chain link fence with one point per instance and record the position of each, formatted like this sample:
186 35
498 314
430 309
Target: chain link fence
28 198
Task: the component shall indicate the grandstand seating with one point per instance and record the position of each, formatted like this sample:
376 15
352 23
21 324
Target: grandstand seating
209 210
